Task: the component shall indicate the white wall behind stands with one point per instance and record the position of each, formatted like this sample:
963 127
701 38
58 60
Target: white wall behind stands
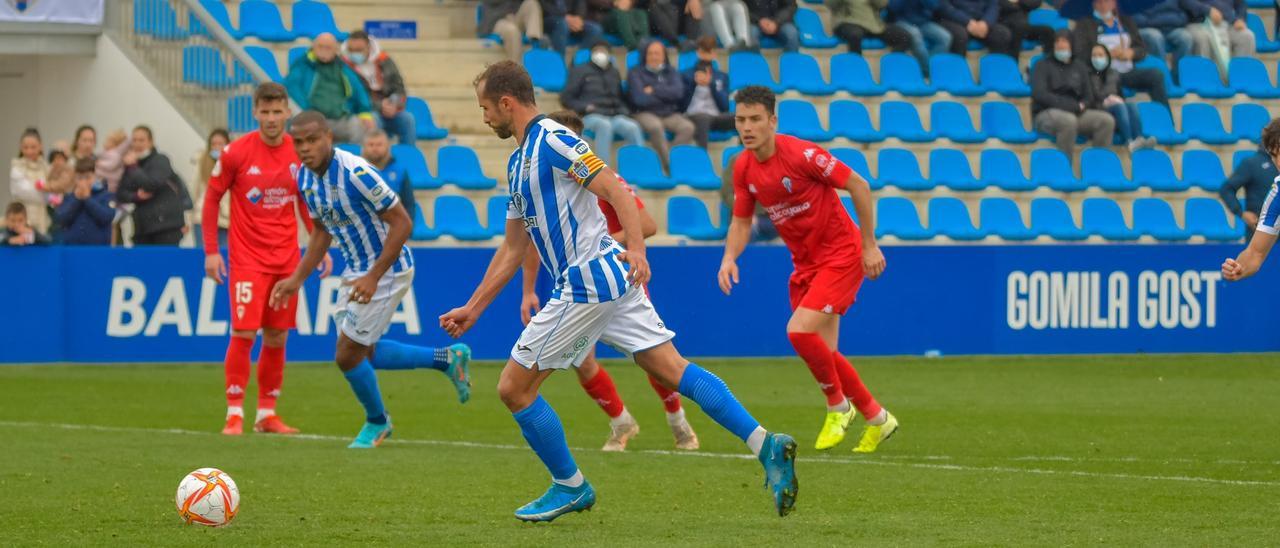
56 94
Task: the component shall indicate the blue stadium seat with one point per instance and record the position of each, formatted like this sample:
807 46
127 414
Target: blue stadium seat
1153 217
687 216
1175 91
800 72
949 217
456 216
950 120
999 73
1263 4
949 168
850 72
295 53
415 163
632 59
1001 168
799 118
850 119
422 119
1200 121
1247 121
685 61
853 158
1099 167
1207 217
261 19
950 73
897 217
583 56
1102 217
1262 40
311 19
204 65
1249 76
240 114
1051 217
640 166
728 154
1202 169
898 167
157 19
901 73
812 35
690 165
219 12
1048 17
1001 217
458 165
265 59
547 69
1003 121
1199 75
905 125
1157 122
1051 168
422 232
498 214
1153 169
751 69
847 202
349 147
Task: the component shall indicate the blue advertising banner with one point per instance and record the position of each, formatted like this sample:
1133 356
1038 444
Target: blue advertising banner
127 305
392 29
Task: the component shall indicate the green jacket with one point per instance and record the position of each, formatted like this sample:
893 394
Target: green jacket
864 13
301 83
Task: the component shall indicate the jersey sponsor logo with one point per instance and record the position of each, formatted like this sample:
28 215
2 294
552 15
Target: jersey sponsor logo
821 160
517 201
786 183
830 167
377 191
582 148
523 348
751 188
254 195
253 170
781 213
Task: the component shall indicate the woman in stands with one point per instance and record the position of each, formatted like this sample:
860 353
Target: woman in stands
205 160
1106 93
28 180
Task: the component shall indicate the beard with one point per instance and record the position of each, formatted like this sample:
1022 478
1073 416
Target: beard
502 132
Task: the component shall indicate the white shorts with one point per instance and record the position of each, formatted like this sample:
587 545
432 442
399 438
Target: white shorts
564 332
365 323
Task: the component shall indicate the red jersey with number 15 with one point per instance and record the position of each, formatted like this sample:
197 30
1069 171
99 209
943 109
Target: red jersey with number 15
264 194
797 187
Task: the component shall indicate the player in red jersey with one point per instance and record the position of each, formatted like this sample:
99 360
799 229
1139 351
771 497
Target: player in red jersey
258 170
594 379
796 182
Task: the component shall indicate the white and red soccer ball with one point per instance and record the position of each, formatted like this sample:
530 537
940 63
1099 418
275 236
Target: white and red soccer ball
209 497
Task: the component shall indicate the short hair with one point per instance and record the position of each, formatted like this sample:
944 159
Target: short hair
376 132
707 43
55 153
83 129
757 95
310 117
143 128
1271 136
217 132
85 165
358 35
269 91
16 208
507 79
567 118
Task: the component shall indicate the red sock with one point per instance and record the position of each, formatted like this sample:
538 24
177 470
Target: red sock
670 398
270 376
817 356
853 387
237 369
602 390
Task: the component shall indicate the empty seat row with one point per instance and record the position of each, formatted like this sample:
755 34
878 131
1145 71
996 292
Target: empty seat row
456 216
948 120
1202 122
899 72
258 19
240 117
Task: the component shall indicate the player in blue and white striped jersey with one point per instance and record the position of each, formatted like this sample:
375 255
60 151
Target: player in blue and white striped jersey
555 183
1264 236
353 205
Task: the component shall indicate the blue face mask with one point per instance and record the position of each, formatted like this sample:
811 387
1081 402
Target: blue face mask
1099 63
357 58
215 154
1062 55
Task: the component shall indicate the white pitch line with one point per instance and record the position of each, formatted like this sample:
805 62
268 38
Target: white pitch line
899 461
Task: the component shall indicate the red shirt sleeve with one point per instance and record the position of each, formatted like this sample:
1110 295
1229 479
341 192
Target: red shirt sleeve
827 168
744 204
220 180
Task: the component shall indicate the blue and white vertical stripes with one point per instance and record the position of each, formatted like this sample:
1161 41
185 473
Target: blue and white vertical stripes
348 200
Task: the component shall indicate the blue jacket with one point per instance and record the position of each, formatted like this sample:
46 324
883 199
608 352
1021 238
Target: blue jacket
1166 15
1255 175
916 12
1231 9
719 89
397 177
301 81
86 222
667 84
963 11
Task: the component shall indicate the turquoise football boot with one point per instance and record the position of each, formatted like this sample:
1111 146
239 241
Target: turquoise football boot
371 435
558 501
459 370
778 455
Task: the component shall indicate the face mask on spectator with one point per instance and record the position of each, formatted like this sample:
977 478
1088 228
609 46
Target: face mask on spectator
215 154
600 58
358 58
1099 63
144 154
1062 55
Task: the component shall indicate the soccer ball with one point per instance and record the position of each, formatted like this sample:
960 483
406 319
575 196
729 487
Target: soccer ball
209 497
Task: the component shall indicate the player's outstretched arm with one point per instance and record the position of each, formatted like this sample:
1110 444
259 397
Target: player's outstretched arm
606 186
735 243
317 250
1250 260
873 263
502 268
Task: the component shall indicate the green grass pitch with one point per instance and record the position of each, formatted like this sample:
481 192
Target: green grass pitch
1123 451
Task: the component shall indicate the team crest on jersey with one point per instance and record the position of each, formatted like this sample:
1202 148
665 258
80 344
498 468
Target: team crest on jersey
253 195
580 170
524 168
786 183
293 170
821 161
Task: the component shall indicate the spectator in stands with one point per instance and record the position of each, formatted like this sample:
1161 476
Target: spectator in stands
320 81
979 20
762 229
1218 30
217 141
853 20
159 196
1256 175
773 18
85 216
1060 97
377 150
594 91
1119 34
1015 14
17 232
706 94
677 21
629 21
581 19
731 23
58 166
1106 95
656 89
383 83
28 179
917 17
512 20
109 165
1163 29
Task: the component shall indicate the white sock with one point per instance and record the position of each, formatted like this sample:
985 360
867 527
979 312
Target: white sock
842 407
756 440
264 413
235 411
676 418
879 419
623 418
576 480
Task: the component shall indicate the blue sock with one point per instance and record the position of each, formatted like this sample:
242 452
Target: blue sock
394 355
364 382
542 429
715 399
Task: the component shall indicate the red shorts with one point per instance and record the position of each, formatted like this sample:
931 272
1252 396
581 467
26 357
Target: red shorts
829 290
250 292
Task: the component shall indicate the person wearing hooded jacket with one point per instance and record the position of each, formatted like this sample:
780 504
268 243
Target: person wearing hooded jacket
384 84
1061 96
656 89
1106 95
